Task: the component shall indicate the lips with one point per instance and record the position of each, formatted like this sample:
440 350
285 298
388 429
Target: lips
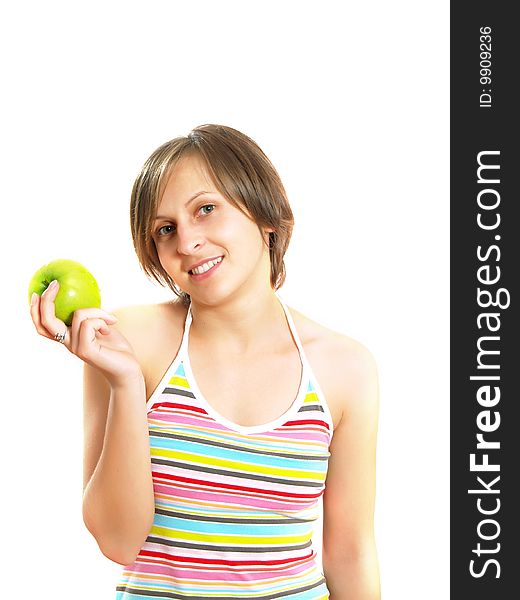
204 266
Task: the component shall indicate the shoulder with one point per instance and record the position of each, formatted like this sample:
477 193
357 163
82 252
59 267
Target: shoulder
141 320
345 368
155 332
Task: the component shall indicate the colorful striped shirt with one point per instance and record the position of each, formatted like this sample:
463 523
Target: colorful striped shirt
235 506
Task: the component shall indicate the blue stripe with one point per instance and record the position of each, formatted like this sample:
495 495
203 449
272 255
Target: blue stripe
241 456
274 445
260 529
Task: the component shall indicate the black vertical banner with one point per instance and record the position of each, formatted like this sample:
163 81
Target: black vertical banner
485 297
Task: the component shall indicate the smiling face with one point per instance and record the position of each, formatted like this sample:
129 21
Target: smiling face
209 247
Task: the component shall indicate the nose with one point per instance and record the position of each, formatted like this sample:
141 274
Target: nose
189 239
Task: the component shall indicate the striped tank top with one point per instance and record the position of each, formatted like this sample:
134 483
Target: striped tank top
235 506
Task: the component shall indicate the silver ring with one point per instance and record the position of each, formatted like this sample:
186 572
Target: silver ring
60 337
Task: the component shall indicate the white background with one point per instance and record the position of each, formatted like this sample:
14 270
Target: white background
350 102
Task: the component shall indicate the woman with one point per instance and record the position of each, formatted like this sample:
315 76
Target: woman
215 423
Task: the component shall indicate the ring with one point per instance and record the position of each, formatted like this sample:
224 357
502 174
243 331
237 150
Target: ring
60 337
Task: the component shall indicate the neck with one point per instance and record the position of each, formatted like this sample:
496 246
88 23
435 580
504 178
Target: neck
245 324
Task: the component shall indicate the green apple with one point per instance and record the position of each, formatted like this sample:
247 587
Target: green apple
78 287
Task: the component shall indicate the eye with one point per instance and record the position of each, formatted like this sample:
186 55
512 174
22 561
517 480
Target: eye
165 230
207 209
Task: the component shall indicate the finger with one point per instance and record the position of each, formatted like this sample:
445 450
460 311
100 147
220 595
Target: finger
35 315
88 313
48 317
86 341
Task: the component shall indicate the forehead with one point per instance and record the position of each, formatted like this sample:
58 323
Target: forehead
186 178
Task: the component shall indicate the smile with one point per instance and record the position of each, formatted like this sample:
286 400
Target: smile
205 267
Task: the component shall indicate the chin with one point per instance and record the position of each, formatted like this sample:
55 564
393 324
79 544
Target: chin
211 296
215 295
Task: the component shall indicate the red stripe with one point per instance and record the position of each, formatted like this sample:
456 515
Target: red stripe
214 561
183 406
308 422
229 486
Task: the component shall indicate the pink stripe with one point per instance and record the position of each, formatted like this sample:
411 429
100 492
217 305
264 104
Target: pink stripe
315 434
187 490
232 479
221 573
181 418
223 498
292 555
173 488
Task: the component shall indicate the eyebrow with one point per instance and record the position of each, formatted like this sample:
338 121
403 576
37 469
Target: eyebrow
194 197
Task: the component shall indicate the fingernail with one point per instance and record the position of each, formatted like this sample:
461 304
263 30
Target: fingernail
34 297
50 287
112 318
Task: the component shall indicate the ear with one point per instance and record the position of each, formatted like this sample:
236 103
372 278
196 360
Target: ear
269 236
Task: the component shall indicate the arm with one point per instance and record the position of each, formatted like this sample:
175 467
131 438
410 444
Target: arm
118 500
350 561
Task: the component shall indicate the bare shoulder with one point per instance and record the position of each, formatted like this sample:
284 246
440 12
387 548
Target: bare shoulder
155 333
138 322
345 368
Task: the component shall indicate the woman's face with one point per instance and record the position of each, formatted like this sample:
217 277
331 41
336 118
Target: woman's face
209 247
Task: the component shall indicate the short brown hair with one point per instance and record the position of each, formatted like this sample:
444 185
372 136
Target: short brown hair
241 172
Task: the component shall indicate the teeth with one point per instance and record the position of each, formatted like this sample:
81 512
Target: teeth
206 266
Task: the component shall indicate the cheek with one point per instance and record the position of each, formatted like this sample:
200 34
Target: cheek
159 248
166 253
238 232
250 242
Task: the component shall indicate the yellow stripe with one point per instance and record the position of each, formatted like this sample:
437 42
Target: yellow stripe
230 539
310 397
205 434
179 381
241 439
236 465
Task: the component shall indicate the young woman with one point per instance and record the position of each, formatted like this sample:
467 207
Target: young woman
216 422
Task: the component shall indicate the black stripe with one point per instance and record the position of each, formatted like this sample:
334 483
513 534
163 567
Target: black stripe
220 548
285 594
191 467
188 438
307 407
170 390
284 521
